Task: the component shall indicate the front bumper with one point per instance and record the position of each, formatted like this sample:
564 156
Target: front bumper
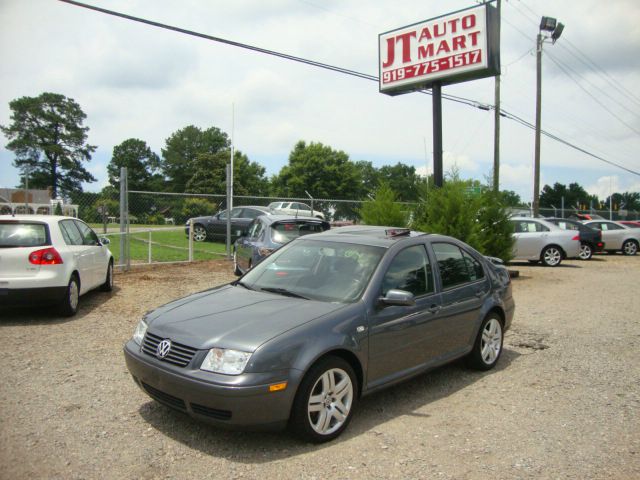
244 403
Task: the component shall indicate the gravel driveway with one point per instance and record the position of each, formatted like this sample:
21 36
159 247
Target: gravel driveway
563 403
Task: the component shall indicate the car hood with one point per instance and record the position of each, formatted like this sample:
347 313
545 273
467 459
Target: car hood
233 317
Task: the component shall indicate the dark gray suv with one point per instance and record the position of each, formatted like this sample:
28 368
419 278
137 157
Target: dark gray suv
322 321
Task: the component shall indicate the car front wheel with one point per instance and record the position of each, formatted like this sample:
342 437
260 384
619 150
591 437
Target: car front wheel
325 400
586 252
199 233
551 256
488 345
629 247
69 305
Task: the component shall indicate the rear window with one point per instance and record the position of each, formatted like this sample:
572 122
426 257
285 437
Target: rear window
17 234
285 232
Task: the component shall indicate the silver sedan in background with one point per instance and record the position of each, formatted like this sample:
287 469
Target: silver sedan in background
537 240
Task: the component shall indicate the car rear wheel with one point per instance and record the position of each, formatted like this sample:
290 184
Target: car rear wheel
236 269
325 400
629 247
551 256
586 252
107 286
199 233
488 345
69 305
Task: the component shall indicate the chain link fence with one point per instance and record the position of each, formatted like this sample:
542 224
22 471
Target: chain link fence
154 228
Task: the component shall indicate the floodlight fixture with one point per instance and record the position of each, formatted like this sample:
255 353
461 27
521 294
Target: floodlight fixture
548 24
557 32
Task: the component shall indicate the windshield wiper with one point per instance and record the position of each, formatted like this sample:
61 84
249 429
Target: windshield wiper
283 291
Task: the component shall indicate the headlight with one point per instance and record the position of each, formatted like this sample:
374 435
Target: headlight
228 362
141 329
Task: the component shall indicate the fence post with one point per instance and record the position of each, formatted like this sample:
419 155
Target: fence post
191 240
124 221
149 254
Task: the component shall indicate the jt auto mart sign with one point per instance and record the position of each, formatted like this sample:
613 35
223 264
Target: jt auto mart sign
449 49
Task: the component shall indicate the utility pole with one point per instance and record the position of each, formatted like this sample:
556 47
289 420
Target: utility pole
554 29
536 167
496 121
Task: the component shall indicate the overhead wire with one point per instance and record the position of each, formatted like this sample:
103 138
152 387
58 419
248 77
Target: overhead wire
453 98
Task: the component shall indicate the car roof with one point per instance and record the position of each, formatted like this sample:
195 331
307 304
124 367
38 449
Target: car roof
49 219
377 236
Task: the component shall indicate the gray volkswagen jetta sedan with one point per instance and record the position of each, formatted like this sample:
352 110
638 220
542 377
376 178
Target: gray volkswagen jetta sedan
321 322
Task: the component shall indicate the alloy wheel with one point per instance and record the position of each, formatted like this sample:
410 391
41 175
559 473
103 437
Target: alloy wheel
491 342
330 401
552 256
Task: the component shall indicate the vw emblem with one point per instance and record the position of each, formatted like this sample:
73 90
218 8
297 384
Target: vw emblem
163 348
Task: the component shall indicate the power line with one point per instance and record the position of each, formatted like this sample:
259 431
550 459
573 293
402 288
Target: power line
465 101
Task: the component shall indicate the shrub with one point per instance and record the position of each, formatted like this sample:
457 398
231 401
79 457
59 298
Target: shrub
477 218
383 209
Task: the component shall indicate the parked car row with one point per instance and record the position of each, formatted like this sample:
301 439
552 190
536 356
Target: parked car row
551 240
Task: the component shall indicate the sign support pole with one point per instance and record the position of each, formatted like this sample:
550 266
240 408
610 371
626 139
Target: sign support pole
437 134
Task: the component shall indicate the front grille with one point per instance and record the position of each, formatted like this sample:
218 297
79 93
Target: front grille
165 398
211 412
179 354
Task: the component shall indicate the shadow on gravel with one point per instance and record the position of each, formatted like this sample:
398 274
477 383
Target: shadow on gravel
256 447
48 314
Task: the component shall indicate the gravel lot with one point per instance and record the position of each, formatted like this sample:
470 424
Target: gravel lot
563 403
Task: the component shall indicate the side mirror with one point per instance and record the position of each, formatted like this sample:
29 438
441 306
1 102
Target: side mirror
105 241
398 298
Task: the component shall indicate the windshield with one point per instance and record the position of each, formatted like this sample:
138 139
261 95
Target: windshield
318 270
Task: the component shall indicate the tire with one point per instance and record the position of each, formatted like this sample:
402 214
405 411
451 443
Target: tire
629 247
199 233
551 256
236 269
488 345
69 305
586 252
107 286
325 401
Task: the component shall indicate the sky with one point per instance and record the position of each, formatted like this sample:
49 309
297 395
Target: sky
137 81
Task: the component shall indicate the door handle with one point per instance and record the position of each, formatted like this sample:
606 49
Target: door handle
479 293
434 308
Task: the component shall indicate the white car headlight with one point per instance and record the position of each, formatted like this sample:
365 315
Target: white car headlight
228 362
141 329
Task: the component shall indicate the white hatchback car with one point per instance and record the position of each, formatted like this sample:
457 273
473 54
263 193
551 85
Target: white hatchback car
537 240
297 209
47 259
617 236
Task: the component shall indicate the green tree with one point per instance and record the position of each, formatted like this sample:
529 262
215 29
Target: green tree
321 171
49 141
402 179
142 165
574 196
370 178
509 198
179 156
210 175
383 209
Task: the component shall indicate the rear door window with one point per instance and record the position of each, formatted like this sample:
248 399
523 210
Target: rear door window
89 237
70 233
452 265
15 234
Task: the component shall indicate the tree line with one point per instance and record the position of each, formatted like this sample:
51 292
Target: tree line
49 140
